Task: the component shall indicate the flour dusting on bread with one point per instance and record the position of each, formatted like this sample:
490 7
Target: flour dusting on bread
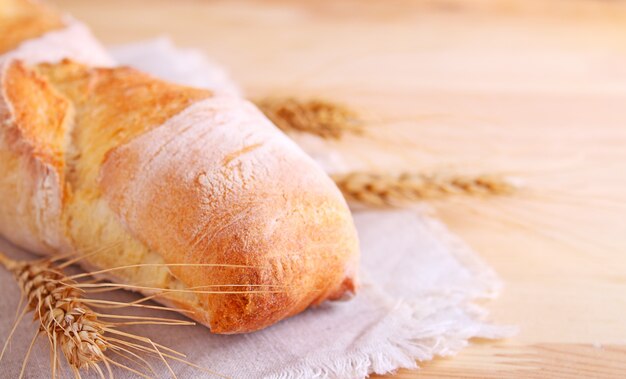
142 171
218 183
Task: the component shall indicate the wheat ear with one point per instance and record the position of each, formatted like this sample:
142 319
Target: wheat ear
380 190
61 315
319 117
59 306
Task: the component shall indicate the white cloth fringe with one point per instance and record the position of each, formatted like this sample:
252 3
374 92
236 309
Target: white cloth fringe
419 283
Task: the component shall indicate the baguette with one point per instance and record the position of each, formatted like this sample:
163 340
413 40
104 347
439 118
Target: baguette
191 189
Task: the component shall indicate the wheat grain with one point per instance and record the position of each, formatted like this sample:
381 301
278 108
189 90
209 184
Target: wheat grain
62 317
59 306
64 312
320 117
380 190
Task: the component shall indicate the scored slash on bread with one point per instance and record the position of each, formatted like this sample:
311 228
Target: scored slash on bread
111 160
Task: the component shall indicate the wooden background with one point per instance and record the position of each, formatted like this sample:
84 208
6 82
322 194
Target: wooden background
532 88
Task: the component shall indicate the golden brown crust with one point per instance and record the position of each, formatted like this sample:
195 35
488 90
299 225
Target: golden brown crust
41 132
35 122
260 203
112 106
150 172
21 20
149 182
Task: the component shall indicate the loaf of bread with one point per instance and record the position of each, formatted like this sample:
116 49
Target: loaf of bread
190 192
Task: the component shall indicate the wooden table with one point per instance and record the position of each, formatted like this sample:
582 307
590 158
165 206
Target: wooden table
535 89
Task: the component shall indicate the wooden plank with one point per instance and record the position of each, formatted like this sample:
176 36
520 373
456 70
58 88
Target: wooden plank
533 88
532 361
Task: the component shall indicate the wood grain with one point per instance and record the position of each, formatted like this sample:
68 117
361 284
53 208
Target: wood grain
530 361
532 88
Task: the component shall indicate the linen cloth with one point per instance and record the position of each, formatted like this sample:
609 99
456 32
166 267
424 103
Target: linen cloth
417 299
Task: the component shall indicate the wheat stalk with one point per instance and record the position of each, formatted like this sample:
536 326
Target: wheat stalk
379 190
62 312
56 304
319 117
